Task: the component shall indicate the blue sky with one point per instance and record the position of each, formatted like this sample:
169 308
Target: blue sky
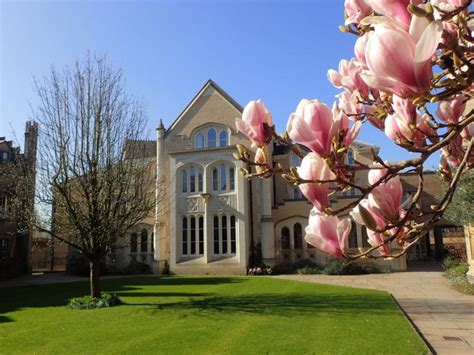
278 51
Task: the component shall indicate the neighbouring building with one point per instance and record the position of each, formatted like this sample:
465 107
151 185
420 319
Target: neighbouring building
17 186
209 219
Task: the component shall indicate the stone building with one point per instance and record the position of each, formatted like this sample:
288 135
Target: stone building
209 219
17 186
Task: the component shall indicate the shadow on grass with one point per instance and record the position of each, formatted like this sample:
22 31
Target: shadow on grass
58 294
285 305
4 319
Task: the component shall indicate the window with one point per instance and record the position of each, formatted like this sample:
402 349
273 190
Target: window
233 244
184 181
231 179
223 139
144 241
224 234
152 242
295 160
285 238
350 157
211 138
133 243
216 235
4 249
223 177
215 182
297 194
192 179
200 180
193 235
184 236
353 236
199 142
201 236
298 235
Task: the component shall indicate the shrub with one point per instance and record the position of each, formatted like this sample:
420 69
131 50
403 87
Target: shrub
260 270
308 270
136 267
89 302
282 269
336 267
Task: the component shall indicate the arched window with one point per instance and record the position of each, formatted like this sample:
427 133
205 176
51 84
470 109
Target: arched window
192 179
231 179
143 241
215 180
211 138
200 180
285 238
233 243
199 141
133 243
297 193
350 157
216 235
201 236
193 236
223 139
184 181
223 177
184 235
298 235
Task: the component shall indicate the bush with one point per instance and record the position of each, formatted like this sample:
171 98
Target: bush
308 270
89 302
136 267
336 267
282 269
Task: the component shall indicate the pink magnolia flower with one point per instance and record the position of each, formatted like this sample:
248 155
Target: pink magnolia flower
313 126
395 9
451 112
348 77
398 61
350 105
376 217
356 10
328 233
386 197
313 167
359 49
256 123
375 239
345 133
406 127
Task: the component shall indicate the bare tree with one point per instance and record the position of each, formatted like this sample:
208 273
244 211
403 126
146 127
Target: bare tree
93 181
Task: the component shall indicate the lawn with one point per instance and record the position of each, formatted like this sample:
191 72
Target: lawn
205 315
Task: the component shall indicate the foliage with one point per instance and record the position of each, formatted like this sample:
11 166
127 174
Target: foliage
259 270
456 272
88 302
135 268
337 267
461 208
228 315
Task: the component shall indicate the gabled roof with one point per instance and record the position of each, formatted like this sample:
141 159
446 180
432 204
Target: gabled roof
216 87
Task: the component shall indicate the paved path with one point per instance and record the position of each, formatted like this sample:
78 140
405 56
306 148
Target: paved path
444 316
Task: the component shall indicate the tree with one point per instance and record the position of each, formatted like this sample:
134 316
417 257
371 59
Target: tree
93 185
461 208
411 78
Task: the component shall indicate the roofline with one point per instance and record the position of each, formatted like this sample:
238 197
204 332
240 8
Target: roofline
221 91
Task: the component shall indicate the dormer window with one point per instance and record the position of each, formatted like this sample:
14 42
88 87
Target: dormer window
211 138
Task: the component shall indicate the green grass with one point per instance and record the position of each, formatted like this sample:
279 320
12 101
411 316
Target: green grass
205 315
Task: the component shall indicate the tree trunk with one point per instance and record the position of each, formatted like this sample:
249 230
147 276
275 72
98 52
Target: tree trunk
94 278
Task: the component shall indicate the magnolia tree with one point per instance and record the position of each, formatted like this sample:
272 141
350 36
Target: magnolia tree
411 78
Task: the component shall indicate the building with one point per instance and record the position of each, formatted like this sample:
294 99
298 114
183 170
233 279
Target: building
211 220
17 186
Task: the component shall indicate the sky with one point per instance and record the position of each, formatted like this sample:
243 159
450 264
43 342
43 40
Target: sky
277 51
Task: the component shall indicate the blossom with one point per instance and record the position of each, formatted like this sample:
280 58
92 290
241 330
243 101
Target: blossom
256 123
398 61
451 111
359 49
406 127
348 77
374 239
328 233
349 104
387 196
345 133
313 126
261 157
356 10
313 167
395 9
